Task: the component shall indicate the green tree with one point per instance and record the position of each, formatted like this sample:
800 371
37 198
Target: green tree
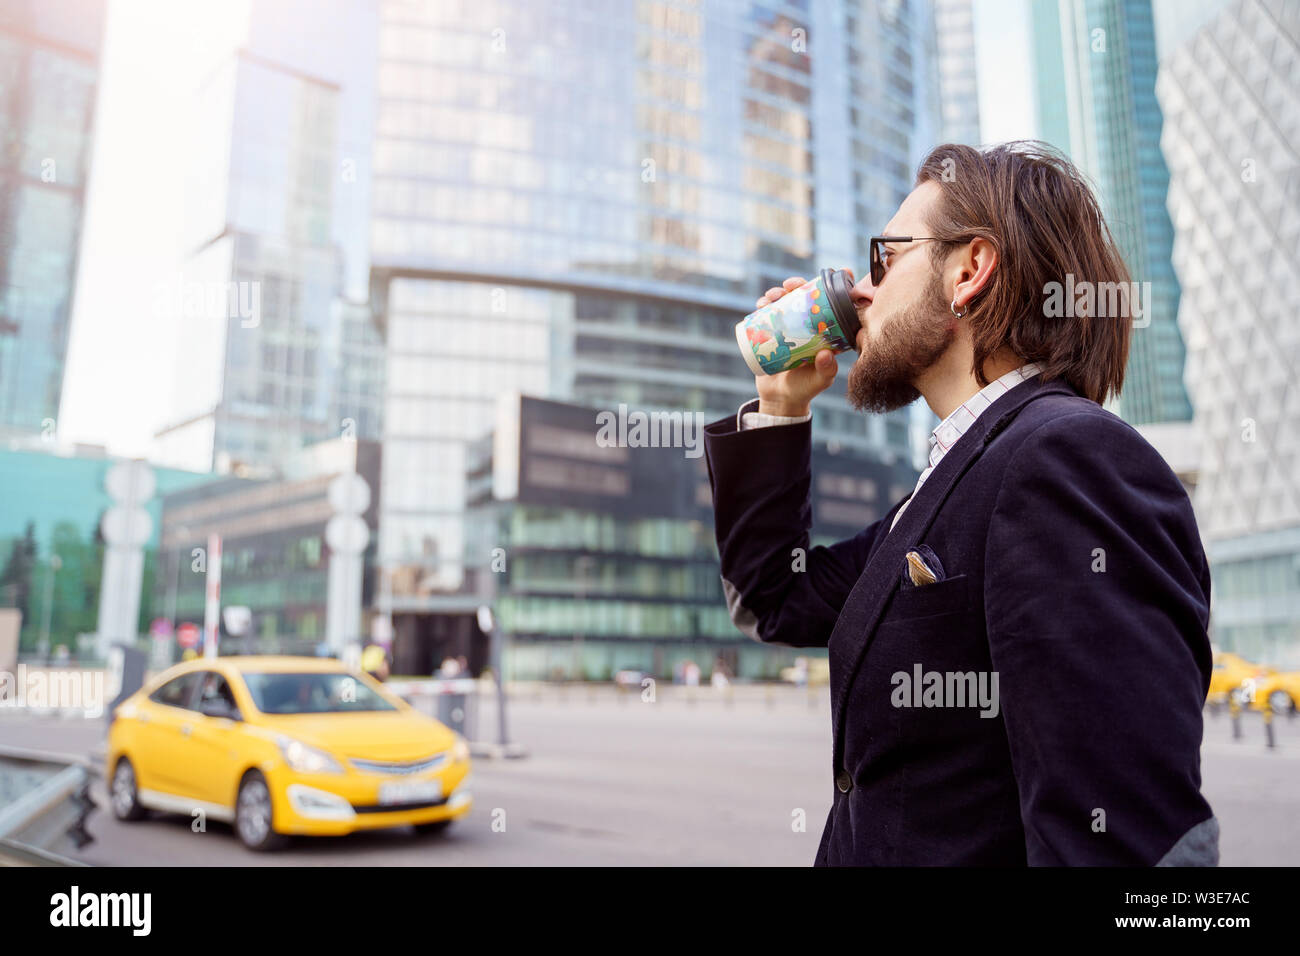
76 585
16 581
148 581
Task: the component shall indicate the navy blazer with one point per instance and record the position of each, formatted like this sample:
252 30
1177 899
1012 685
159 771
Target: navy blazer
1072 570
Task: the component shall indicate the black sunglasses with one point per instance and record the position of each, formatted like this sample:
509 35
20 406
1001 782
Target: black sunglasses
877 263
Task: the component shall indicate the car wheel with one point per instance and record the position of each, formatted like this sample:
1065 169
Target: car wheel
253 815
431 829
1280 701
123 794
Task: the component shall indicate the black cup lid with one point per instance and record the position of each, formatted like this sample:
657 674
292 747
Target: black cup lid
839 293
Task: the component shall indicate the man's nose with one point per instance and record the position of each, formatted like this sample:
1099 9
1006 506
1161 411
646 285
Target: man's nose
862 292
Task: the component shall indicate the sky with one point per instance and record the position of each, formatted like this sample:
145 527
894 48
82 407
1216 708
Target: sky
119 375
1002 70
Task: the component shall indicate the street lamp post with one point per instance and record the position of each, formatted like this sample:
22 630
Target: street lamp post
491 628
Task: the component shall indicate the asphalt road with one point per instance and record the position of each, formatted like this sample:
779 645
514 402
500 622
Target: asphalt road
610 780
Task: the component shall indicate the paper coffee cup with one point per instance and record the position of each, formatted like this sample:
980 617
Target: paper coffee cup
789 332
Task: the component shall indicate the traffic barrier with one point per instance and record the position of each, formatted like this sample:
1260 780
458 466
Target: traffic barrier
452 701
47 801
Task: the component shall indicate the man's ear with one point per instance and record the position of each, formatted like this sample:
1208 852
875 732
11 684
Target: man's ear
971 268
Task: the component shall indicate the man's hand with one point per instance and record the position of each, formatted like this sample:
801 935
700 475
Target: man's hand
791 393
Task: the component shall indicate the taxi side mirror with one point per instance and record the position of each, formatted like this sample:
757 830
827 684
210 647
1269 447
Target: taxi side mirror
216 707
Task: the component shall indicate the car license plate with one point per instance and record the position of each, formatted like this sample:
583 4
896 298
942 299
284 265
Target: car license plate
413 791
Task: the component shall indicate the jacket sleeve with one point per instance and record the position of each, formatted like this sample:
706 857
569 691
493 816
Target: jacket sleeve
777 589
1097 598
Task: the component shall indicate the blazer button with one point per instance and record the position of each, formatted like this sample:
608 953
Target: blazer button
843 781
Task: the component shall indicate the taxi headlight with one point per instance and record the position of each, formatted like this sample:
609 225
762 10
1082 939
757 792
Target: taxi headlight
460 750
307 759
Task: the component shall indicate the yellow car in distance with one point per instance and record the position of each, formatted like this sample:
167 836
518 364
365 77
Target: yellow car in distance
1277 692
283 745
1229 678
812 672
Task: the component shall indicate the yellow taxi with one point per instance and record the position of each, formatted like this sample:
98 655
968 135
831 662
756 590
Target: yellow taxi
1278 692
813 672
1230 675
283 745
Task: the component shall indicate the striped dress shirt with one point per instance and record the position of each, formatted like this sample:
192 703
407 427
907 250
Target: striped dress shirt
949 431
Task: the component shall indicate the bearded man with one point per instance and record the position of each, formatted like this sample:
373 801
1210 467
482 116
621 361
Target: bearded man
1047 558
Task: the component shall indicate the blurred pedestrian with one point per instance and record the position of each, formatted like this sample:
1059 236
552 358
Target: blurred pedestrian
374 661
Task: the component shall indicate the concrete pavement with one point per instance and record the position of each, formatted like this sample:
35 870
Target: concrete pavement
612 780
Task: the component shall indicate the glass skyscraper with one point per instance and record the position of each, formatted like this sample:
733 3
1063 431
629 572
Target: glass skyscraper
954 31
1095 73
280 349
578 200
49 75
1232 134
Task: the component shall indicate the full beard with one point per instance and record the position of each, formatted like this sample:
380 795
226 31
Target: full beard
906 345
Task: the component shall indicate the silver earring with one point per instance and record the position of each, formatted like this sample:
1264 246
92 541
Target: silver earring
962 313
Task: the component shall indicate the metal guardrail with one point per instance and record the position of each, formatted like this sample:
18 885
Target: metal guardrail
13 853
44 803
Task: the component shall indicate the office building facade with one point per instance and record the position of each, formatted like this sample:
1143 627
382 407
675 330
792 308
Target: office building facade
280 349
578 202
954 31
1232 137
601 551
274 551
49 80
1095 69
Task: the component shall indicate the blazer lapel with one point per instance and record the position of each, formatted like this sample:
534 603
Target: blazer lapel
862 609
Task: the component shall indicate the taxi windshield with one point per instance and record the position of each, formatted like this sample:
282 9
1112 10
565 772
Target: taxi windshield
328 693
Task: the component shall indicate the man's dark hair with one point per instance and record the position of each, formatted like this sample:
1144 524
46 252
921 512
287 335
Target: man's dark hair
1035 207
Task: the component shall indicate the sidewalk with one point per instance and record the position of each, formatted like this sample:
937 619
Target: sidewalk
767 694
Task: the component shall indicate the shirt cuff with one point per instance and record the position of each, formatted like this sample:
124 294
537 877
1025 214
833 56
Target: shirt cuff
750 420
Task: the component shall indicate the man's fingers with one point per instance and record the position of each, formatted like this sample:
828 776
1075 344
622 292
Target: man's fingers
774 293
779 290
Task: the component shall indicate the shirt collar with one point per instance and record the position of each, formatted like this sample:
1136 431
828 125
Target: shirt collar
948 431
